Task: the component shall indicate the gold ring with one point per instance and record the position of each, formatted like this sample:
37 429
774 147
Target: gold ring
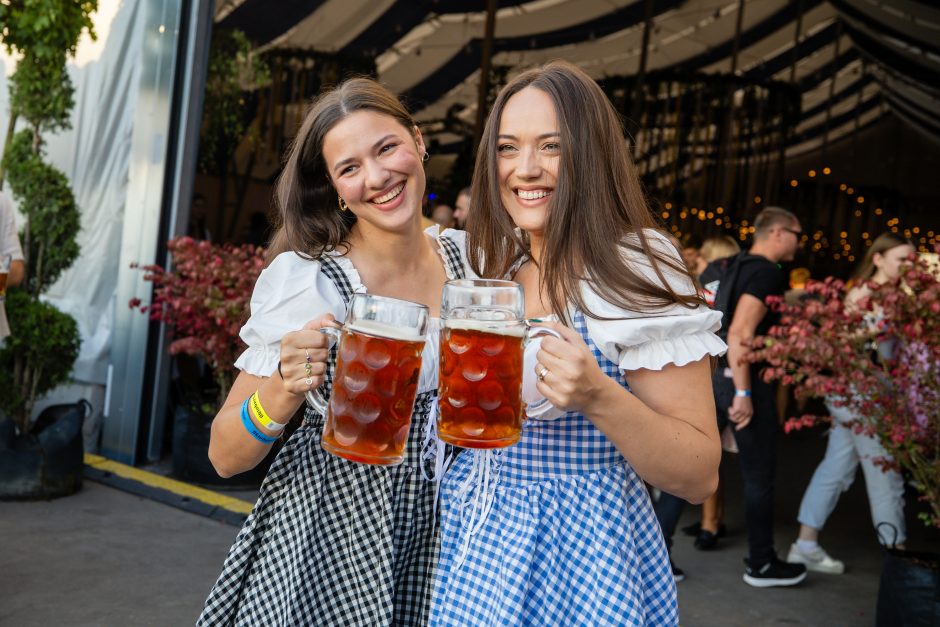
541 372
308 369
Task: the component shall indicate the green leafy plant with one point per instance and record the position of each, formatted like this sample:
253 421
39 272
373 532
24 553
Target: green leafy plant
45 341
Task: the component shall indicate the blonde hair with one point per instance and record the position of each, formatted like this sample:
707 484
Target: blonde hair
718 248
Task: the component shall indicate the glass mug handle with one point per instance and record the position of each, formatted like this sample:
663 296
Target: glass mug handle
315 397
535 410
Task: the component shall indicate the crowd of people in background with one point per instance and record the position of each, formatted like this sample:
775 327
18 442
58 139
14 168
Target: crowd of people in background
746 402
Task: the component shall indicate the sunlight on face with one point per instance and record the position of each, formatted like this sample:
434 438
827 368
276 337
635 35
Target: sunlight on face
528 152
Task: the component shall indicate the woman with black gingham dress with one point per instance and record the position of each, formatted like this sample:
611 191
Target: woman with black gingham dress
331 541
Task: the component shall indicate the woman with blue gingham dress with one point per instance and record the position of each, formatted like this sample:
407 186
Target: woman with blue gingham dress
567 526
558 529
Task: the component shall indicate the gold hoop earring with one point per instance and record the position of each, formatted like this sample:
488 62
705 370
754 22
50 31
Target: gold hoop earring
342 204
426 156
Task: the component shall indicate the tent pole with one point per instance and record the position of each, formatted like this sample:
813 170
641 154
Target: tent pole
832 88
641 75
794 52
485 71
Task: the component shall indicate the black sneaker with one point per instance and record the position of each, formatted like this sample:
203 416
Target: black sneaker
773 573
696 528
677 573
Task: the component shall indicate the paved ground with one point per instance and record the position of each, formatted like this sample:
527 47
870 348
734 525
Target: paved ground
105 557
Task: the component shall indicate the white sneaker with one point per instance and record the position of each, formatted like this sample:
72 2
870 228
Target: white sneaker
816 560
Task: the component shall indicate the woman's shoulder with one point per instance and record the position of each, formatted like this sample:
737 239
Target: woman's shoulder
289 264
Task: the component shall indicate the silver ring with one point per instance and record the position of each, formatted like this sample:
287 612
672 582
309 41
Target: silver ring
309 382
541 372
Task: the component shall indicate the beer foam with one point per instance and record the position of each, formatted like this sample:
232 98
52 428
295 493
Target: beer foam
512 328
378 329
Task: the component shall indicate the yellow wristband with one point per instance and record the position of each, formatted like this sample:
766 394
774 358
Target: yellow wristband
262 416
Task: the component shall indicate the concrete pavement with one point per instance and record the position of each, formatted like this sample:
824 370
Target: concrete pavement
106 557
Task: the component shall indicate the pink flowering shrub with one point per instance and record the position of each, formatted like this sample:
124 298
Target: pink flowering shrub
825 349
205 299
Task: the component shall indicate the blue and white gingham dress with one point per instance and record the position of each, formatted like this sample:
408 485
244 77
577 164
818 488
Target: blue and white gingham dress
555 530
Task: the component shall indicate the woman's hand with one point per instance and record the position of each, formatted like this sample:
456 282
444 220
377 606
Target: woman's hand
569 376
304 354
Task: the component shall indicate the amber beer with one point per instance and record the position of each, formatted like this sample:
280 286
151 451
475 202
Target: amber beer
375 382
481 383
374 391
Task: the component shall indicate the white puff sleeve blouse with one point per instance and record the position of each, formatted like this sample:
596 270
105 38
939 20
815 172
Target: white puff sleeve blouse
288 294
673 335
293 291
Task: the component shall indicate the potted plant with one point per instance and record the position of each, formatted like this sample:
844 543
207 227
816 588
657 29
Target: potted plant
824 349
42 459
204 299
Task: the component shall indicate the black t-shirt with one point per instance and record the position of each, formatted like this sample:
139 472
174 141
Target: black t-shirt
757 276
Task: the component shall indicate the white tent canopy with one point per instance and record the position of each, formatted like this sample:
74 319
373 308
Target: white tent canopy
861 59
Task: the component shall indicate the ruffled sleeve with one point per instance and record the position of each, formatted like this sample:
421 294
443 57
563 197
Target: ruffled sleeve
672 335
289 293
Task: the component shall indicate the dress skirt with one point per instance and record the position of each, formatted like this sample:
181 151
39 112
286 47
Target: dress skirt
333 542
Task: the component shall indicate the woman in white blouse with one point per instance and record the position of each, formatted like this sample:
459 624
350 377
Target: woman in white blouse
331 541
559 529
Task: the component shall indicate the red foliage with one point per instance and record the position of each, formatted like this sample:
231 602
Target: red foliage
205 299
824 348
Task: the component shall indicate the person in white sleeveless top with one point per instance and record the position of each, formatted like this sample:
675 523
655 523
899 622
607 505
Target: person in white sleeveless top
559 529
331 541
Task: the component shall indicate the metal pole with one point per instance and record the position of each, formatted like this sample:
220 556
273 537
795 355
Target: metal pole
638 99
729 110
796 40
485 70
737 37
832 88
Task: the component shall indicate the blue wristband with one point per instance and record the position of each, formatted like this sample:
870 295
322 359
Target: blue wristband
252 429
746 393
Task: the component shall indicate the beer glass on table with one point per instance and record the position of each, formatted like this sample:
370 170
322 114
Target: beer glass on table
483 335
375 382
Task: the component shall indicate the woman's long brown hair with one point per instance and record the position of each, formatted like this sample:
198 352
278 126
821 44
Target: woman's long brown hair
310 221
597 210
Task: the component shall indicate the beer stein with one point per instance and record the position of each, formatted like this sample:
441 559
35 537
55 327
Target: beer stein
375 380
482 341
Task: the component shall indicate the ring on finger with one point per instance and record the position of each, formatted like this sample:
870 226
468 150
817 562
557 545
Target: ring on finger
309 382
309 358
308 369
541 372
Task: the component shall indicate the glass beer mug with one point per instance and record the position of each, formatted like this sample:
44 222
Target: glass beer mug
482 339
375 380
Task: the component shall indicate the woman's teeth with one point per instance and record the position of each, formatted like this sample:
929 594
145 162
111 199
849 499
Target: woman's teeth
533 195
389 196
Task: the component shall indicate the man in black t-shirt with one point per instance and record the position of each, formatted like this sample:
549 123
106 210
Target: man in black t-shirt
741 395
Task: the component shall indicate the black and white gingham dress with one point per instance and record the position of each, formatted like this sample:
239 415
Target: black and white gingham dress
333 542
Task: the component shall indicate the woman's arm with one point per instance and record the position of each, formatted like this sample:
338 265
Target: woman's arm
666 428
232 449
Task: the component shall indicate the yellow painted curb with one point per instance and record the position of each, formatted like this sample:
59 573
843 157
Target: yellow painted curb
171 485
